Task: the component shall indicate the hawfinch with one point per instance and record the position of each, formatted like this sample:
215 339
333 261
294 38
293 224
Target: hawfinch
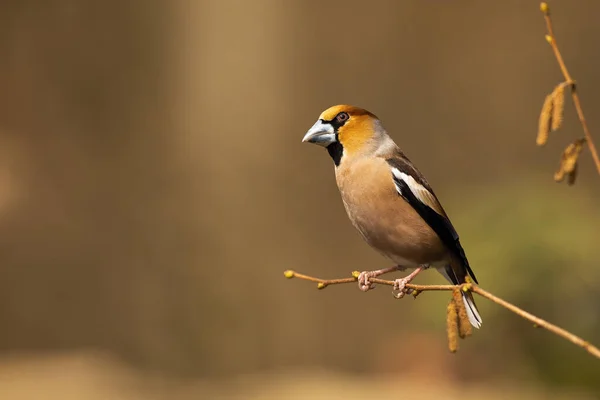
389 201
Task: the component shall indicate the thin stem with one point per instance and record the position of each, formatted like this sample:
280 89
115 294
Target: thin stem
576 340
574 94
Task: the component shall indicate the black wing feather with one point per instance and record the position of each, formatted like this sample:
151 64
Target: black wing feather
439 223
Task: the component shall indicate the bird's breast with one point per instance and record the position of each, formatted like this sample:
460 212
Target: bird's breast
384 219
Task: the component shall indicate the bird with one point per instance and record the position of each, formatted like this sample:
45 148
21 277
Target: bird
390 202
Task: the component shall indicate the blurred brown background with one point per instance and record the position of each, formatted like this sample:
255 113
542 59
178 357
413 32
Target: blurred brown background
153 188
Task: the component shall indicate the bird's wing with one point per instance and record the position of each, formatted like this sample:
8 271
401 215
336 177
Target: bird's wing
415 189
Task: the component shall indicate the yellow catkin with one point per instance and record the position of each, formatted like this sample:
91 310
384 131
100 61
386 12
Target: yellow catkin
544 7
545 121
571 155
464 326
558 106
457 296
452 326
568 161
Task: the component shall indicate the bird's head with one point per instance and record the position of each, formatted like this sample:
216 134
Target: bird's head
346 131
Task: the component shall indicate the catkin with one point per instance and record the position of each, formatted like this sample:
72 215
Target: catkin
568 162
452 326
545 121
558 106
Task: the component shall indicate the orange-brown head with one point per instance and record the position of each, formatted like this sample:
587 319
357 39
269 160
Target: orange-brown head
346 131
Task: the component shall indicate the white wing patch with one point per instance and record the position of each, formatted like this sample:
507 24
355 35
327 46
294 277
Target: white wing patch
420 192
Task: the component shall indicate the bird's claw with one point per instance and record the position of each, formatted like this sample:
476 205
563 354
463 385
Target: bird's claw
400 289
363 281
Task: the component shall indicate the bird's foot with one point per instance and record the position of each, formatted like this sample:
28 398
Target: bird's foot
400 287
363 281
363 278
400 284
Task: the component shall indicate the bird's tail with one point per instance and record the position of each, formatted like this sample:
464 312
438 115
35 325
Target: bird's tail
457 276
472 312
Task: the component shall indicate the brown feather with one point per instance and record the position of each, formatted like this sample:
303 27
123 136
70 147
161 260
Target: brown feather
385 220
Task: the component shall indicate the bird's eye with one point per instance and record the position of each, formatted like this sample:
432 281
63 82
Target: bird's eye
342 117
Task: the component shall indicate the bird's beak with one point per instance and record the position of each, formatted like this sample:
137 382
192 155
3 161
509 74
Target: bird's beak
320 133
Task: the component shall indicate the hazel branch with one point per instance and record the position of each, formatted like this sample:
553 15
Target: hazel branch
466 287
551 39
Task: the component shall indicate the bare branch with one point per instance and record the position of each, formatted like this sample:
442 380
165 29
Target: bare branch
551 39
416 289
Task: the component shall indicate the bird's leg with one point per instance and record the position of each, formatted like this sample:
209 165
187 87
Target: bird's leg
363 278
400 284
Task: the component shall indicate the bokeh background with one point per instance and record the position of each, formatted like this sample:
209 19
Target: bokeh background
153 188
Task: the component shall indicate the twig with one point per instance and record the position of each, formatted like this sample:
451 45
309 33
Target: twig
539 322
576 340
551 38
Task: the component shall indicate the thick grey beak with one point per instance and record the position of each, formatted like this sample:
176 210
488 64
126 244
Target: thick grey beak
320 133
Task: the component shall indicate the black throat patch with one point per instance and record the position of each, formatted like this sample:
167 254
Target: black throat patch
335 150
